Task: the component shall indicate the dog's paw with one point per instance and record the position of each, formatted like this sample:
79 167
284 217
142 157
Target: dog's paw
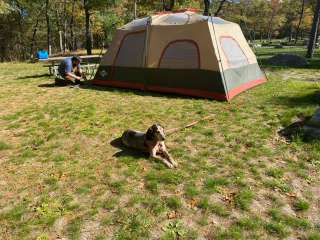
173 162
169 165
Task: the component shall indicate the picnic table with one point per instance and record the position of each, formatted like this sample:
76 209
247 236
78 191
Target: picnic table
89 64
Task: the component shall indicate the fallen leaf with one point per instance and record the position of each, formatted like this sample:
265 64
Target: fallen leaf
293 195
229 196
172 215
193 203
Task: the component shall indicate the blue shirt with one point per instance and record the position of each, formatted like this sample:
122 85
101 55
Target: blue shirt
66 66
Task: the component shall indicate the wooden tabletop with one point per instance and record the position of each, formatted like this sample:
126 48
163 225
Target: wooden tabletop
58 59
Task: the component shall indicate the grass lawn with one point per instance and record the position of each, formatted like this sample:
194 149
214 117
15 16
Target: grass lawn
61 179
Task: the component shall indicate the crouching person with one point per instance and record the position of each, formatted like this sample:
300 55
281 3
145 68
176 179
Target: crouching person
70 70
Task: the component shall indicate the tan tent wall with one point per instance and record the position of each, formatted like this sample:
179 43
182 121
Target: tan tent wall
110 56
161 36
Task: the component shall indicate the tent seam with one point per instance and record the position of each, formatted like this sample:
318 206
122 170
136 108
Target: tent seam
222 70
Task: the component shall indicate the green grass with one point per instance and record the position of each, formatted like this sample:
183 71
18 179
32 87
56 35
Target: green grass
173 203
236 178
215 208
212 184
4 146
314 236
244 199
301 205
277 229
74 228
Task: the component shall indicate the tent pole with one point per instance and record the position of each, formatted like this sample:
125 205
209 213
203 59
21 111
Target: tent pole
146 44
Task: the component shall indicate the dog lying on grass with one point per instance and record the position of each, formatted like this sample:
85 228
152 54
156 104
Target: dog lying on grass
152 142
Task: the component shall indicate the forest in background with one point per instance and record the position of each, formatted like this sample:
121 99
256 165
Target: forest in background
61 26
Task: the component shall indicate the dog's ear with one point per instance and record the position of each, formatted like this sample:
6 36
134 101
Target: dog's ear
162 127
159 125
150 133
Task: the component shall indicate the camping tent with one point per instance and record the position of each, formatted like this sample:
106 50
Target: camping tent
184 53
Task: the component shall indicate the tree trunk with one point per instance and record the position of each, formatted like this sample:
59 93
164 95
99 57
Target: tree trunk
65 26
220 7
2 53
299 24
72 39
290 33
34 37
270 26
135 9
21 41
88 29
206 7
314 31
48 28
61 41
167 7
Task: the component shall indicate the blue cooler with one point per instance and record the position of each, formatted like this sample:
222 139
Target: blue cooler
42 54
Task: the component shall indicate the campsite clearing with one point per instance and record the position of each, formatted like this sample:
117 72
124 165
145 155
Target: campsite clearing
61 178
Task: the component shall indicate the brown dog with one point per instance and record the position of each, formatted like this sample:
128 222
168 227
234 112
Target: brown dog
152 142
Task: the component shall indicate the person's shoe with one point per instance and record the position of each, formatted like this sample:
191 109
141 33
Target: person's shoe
75 86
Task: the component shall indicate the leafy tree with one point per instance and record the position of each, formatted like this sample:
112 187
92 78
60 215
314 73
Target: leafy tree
5 8
90 6
28 25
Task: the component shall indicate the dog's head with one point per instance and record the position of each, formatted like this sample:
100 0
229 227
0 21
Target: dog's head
156 132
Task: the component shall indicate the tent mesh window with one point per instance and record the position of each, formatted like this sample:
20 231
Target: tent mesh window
233 52
131 50
175 19
180 55
136 23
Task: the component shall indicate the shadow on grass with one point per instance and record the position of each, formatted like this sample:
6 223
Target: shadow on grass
300 130
34 76
142 92
312 63
61 83
295 129
312 99
49 85
124 151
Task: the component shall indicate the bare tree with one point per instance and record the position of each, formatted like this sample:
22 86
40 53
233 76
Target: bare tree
222 2
48 28
314 31
300 20
33 40
206 7
73 44
65 26
88 27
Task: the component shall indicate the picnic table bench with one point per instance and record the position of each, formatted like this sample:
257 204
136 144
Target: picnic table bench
89 69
